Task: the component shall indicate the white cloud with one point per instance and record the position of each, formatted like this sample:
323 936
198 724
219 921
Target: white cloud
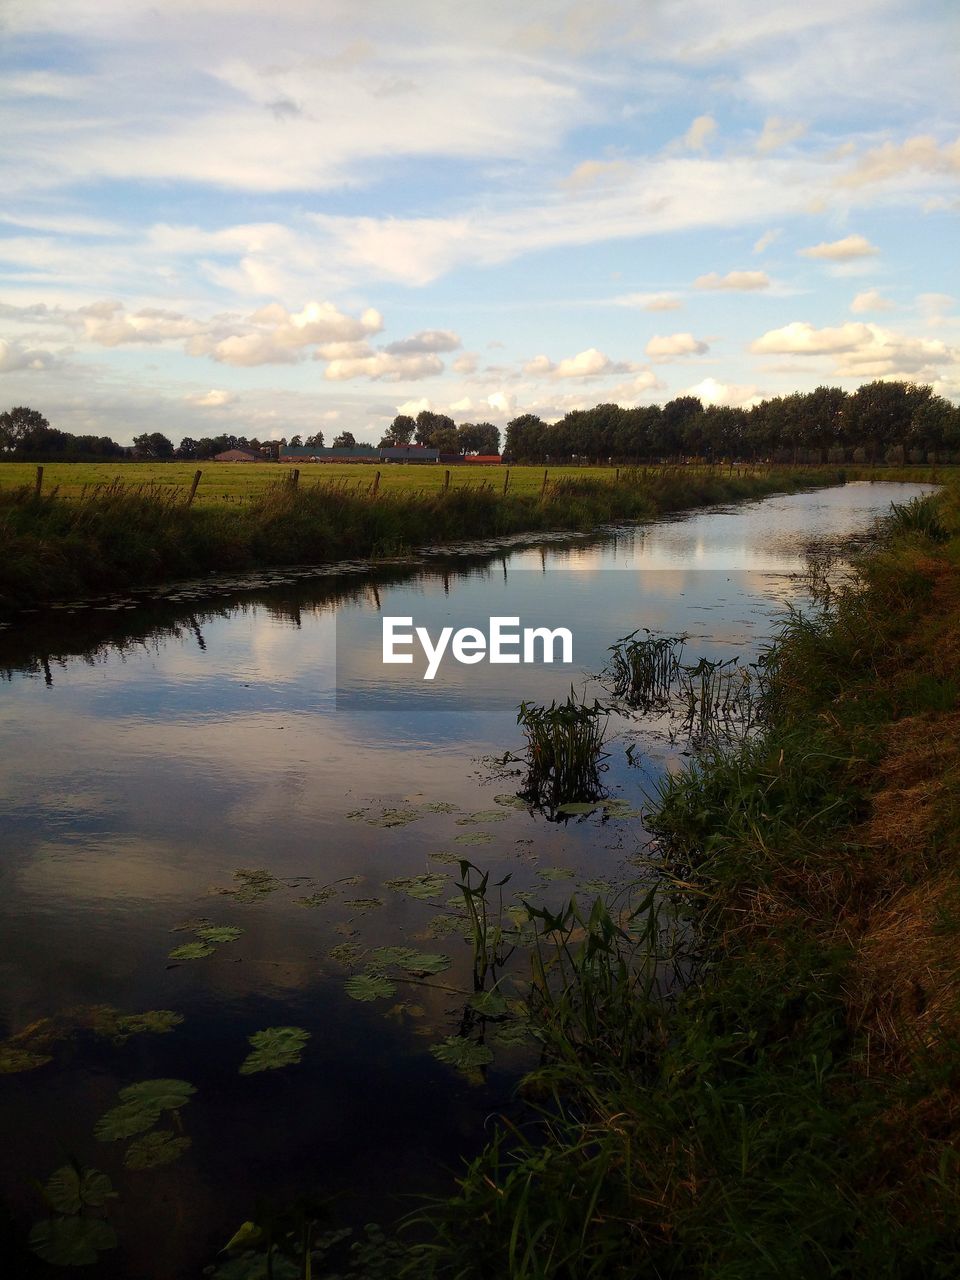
381 366
871 300
710 391
861 350
213 399
539 366
675 344
922 154
700 132
648 301
426 341
765 241
15 357
778 132
849 247
591 364
738 280
596 173
466 363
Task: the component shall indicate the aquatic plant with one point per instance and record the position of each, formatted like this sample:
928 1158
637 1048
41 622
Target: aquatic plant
274 1047
564 750
643 667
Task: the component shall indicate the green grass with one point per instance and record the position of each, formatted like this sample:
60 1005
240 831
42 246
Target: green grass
121 535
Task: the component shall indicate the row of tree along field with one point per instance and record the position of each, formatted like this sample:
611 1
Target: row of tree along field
892 422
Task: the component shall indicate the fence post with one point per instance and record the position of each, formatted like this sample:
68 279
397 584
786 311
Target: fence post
617 476
506 482
376 485
39 484
193 488
543 487
446 480
295 476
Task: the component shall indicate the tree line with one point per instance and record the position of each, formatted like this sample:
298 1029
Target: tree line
879 422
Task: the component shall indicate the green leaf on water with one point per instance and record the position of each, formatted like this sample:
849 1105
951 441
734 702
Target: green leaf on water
394 818
72 1242
422 886
465 1055
219 933
577 806
441 806
69 1189
253 883
475 837
508 1035
356 814
362 905
192 951
126 1120
274 1047
445 856
510 800
555 873
489 1003
345 953
483 815
157 1021
441 927
417 962
369 986
167 1095
14 1059
154 1149
317 899
595 886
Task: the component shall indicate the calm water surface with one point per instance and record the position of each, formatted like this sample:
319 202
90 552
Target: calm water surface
152 749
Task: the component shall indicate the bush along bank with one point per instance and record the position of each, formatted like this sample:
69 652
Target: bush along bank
115 538
790 1105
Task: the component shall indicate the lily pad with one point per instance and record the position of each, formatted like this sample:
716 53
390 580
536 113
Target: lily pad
444 856
483 815
465 1055
369 986
555 873
418 962
577 806
154 1149
274 1047
356 814
422 886
317 899
508 1035
441 927
362 905
441 806
157 1021
253 883
394 818
595 886
168 1095
345 952
489 1003
510 801
192 951
72 1242
126 1120
219 933
475 837
14 1059
69 1189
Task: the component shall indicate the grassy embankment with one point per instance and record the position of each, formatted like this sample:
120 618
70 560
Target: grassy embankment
793 1109
118 537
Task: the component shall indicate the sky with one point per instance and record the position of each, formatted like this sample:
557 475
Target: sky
228 216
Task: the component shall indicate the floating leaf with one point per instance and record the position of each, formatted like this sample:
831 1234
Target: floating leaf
441 806
69 1189
168 1095
253 883
345 952
191 925
317 899
274 1047
192 951
595 886
14 1059
394 818
362 905
369 986
72 1242
219 933
418 962
489 1003
157 1021
510 801
483 815
508 1035
126 1120
422 886
555 873
465 1055
445 856
356 814
154 1149
577 806
475 837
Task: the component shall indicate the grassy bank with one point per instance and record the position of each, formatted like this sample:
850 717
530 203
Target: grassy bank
790 1108
115 537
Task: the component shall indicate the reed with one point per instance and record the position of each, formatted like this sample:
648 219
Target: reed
564 750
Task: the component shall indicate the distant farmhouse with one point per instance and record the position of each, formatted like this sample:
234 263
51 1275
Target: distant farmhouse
238 455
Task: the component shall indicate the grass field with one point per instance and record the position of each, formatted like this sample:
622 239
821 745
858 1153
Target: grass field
233 482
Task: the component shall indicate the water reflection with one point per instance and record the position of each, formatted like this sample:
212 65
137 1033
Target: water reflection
150 751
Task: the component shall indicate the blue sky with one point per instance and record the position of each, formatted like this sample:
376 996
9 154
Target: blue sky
226 216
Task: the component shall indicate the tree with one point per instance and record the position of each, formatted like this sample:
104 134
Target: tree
315 441
399 433
153 446
430 425
296 442
478 437
345 440
16 423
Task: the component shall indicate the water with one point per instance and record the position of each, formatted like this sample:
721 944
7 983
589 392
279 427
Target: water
152 749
